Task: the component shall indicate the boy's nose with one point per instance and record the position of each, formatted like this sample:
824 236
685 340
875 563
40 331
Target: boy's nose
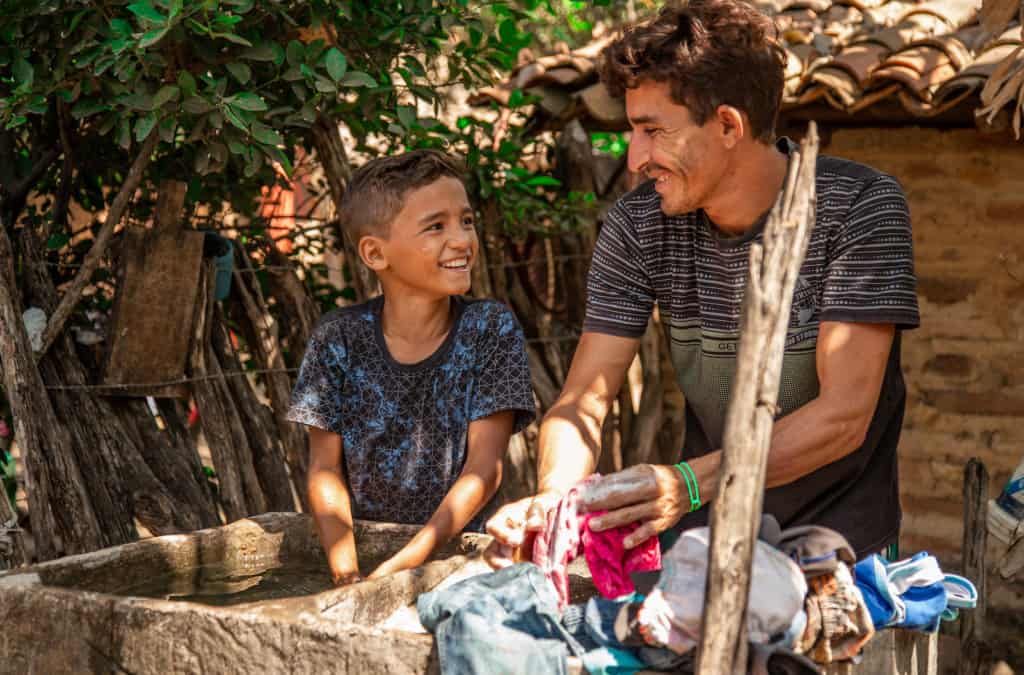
462 239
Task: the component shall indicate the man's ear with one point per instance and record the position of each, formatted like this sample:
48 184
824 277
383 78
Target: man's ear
733 125
372 253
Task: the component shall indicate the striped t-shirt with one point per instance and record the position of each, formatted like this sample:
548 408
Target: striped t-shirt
859 268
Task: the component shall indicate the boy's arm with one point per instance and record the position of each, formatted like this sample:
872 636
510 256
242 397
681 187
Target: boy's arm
332 508
479 480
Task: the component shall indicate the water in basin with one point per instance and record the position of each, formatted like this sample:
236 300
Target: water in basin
222 585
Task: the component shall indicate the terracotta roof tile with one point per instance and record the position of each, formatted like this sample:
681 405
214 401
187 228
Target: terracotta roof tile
925 57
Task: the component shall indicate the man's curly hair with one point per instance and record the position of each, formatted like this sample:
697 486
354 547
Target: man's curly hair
711 53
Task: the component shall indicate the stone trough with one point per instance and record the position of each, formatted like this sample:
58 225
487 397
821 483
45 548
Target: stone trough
228 600
254 597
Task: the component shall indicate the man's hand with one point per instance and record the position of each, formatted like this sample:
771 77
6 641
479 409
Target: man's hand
653 494
513 525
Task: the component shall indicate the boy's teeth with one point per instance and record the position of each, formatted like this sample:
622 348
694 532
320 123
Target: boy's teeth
455 264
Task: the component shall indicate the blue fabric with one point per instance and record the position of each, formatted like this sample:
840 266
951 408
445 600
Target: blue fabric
405 426
870 577
925 605
503 622
919 607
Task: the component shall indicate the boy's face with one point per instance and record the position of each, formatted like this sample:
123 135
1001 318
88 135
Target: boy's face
432 243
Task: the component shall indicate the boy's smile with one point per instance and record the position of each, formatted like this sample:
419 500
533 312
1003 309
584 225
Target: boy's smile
431 244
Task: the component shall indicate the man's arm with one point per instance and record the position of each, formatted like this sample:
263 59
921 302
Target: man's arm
487 440
570 438
570 435
851 363
331 505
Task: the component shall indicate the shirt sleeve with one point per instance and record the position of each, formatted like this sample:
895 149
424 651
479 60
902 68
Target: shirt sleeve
620 296
503 372
316 399
869 276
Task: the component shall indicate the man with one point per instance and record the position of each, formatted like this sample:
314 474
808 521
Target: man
703 84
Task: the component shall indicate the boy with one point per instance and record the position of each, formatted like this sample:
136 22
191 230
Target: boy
410 398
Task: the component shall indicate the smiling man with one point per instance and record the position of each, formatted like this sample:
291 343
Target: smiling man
703 84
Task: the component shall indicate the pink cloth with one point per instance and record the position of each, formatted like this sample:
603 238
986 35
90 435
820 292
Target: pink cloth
610 562
559 544
567 534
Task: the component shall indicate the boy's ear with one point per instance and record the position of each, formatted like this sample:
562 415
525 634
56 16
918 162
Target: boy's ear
371 251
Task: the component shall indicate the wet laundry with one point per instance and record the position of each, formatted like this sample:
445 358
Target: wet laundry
568 533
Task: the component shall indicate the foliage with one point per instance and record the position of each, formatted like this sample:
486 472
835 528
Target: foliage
232 88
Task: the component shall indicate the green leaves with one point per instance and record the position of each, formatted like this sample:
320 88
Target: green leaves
247 100
143 126
295 53
24 74
239 71
336 64
167 93
152 37
358 78
186 83
144 10
196 105
86 107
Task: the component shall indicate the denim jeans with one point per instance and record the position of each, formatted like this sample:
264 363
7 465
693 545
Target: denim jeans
503 622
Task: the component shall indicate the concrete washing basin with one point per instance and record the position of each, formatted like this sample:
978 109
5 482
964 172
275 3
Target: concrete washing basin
252 596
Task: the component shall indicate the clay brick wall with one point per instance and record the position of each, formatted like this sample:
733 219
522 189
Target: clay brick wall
965 366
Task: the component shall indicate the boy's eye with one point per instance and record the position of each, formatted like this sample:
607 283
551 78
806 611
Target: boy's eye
468 221
436 226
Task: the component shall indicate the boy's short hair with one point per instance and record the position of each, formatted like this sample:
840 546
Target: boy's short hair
711 53
376 193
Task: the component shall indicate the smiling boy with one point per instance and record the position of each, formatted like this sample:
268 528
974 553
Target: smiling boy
410 398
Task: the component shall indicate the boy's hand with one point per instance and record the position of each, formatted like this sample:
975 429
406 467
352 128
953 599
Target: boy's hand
346 578
513 525
392 565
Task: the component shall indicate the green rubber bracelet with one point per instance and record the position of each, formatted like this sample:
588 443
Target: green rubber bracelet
691 485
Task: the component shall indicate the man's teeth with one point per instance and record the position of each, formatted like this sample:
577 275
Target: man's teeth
456 264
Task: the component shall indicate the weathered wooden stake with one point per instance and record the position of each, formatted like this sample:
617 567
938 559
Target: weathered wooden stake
736 510
975 656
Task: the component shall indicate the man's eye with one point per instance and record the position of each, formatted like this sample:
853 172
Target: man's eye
652 132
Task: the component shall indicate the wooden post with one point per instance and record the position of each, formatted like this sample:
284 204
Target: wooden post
736 510
975 655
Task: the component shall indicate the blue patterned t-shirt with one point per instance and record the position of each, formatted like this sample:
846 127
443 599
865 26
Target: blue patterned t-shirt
404 426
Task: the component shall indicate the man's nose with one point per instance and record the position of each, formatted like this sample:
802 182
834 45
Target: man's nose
639 154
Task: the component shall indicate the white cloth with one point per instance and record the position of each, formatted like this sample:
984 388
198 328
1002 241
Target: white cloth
671 614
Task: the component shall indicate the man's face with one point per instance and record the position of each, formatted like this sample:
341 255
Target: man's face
432 243
668 146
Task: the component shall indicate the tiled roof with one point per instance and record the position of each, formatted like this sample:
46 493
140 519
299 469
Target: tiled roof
921 59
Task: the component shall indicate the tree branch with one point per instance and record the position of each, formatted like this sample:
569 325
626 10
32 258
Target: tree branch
92 259
736 510
60 208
